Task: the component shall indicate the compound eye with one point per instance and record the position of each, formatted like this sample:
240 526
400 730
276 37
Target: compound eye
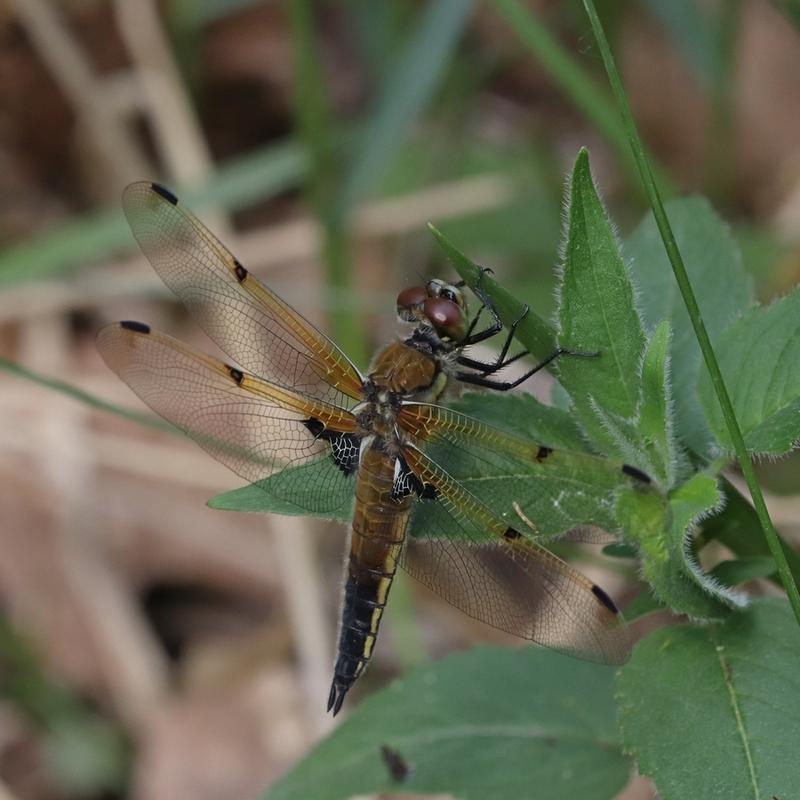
444 315
413 296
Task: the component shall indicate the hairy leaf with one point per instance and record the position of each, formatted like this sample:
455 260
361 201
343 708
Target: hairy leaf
664 460
722 288
597 313
663 530
759 357
711 711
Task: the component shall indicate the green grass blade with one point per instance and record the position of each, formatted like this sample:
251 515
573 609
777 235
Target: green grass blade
316 126
242 181
85 397
414 77
681 276
589 98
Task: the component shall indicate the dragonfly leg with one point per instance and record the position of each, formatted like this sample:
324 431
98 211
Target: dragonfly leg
480 379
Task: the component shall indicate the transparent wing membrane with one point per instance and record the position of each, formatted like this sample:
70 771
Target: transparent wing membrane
548 491
255 428
481 565
256 329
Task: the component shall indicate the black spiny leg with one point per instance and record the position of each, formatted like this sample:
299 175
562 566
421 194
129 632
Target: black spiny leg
483 369
496 324
487 368
480 379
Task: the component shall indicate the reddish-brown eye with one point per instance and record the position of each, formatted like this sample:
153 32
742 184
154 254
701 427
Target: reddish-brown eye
443 314
411 297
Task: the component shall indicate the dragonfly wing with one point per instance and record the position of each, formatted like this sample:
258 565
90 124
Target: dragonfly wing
489 570
250 323
553 490
303 446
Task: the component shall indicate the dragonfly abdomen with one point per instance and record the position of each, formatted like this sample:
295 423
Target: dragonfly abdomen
379 528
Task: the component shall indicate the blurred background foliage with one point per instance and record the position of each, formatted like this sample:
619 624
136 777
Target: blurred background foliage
149 646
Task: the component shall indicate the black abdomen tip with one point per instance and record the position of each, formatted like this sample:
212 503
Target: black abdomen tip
604 599
165 193
136 327
633 472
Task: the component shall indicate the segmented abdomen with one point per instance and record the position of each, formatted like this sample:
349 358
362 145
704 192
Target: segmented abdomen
379 527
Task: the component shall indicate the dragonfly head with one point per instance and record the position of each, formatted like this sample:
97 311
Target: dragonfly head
440 305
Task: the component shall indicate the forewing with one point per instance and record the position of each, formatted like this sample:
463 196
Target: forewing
255 428
257 329
479 563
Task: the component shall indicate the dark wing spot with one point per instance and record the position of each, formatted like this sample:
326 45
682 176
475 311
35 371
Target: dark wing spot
236 374
543 453
604 599
165 193
511 534
633 472
315 426
345 447
136 327
407 483
239 271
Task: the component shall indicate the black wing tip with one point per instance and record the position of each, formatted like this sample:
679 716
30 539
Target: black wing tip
136 327
634 472
162 191
604 599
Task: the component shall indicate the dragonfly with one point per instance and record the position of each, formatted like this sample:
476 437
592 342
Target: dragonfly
294 414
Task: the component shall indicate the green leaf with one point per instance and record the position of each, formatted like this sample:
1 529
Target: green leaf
663 529
709 711
643 604
537 336
760 360
269 496
742 570
523 415
566 490
737 527
664 460
597 312
490 723
722 287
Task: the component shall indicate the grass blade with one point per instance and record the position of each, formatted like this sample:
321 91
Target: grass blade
254 177
589 98
413 78
85 397
681 276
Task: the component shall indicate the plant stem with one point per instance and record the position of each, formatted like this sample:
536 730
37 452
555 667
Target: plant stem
681 276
